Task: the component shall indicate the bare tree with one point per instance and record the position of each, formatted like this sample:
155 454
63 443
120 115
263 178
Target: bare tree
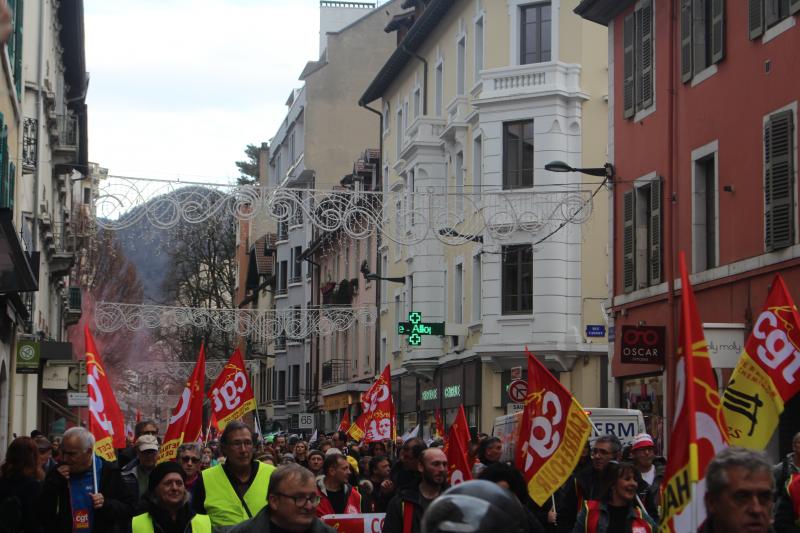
202 273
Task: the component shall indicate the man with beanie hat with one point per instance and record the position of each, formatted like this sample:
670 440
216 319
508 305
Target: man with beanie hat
166 504
643 453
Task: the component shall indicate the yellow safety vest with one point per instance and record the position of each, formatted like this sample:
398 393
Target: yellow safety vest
144 524
223 504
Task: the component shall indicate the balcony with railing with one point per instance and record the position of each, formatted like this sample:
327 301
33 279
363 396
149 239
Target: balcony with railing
67 133
536 79
60 244
72 305
283 231
30 136
334 372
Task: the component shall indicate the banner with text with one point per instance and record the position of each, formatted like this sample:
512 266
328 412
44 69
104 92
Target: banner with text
552 433
767 374
376 422
187 417
231 395
105 418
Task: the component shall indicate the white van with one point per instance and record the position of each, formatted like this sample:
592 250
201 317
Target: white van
624 423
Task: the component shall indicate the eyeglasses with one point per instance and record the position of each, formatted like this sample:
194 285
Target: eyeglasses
190 459
600 451
300 501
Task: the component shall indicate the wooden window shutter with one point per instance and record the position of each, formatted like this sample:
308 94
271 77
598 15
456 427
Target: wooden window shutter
686 40
644 64
755 18
628 67
772 11
779 181
655 232
717 30
628 242
794 7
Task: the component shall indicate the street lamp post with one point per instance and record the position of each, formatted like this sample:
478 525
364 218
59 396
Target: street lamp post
606 171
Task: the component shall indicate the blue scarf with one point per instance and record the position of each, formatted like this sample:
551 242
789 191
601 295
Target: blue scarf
80 486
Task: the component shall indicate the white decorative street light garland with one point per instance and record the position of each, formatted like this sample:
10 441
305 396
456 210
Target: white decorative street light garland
260 326
452 216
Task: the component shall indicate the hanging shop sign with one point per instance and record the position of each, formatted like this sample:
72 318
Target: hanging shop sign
643 345
415 328
28 354
56 377
725 343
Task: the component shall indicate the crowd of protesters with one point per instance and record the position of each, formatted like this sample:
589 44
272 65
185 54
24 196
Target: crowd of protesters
244 483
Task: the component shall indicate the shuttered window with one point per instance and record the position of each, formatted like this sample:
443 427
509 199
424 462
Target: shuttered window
779 181
642 258
763 14
638 59
702 35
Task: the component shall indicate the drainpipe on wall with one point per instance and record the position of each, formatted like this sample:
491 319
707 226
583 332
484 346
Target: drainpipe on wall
669 260
378 181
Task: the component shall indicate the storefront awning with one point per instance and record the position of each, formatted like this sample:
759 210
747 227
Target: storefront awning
17 270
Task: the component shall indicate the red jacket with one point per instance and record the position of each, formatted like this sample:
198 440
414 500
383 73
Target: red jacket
351 494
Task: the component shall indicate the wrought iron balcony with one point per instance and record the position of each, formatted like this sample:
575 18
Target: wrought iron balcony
72 303
334 372
296 279
30 136
67 132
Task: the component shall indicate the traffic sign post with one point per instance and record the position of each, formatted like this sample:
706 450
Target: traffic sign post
517 391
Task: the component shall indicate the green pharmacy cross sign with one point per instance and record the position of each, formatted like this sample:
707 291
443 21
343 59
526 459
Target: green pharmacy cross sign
415 328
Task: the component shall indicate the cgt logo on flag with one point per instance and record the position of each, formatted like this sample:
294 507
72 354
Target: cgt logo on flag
231 395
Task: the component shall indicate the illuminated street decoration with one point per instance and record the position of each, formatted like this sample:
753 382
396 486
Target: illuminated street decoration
404 217
261 326
415 328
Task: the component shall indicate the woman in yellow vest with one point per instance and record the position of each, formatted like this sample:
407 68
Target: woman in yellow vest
167 504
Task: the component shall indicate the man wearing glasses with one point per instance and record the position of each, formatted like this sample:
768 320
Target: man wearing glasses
236 491
589 482
293 502
189 456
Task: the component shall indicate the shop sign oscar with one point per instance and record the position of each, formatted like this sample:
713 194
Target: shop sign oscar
643 345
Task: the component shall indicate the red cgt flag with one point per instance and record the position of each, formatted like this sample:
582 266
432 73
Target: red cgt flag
376 422
105 418
552 433
439 425
699 430
186 421
231 395
458 467
344 424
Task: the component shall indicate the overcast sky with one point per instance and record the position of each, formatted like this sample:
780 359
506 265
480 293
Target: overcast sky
179 87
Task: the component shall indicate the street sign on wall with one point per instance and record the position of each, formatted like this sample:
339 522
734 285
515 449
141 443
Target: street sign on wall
305 421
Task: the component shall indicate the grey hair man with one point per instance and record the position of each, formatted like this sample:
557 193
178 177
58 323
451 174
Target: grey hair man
739 488
103 509
293 501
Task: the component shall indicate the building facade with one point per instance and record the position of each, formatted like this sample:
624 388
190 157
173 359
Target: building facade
47 156
698 172
309 152
476 99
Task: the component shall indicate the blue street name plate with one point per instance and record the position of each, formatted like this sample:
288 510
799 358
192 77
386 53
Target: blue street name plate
595 330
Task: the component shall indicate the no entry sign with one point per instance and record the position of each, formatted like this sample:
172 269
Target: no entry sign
518 390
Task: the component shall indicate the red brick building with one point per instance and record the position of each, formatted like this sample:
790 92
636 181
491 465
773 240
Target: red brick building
703 103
